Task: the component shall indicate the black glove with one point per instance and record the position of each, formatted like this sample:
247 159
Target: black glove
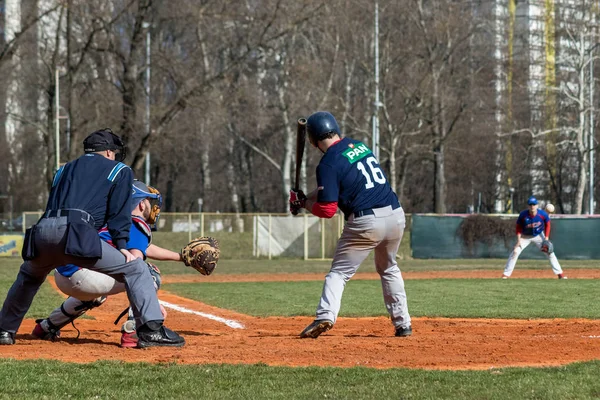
297 201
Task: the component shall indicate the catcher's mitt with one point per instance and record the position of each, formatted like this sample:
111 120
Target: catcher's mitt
547 246
202 254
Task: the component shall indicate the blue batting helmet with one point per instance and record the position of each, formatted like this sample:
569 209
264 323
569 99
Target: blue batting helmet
321 125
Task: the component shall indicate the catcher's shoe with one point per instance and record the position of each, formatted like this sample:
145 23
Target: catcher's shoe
161 337
7 337
129 337
129 340
40 333
317 327
403 332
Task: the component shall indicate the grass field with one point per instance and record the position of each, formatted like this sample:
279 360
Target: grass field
518 298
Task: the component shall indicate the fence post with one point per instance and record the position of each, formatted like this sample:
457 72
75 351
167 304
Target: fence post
306 236
24 227
189 227
201 224
270 236
322 239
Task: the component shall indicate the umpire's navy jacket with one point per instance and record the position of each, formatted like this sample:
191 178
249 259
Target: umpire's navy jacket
99 186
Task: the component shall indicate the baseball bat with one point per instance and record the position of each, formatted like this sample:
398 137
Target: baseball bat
300 142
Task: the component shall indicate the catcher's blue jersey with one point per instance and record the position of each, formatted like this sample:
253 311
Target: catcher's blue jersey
533 225
350 174
140 237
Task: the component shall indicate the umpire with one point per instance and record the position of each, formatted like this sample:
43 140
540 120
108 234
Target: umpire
88 193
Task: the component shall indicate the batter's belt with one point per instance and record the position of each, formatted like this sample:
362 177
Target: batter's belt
369 211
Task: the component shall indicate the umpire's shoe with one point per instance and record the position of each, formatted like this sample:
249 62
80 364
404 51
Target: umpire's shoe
7 337
317 327
162 336
403 332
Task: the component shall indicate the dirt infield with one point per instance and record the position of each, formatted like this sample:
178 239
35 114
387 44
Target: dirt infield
437 343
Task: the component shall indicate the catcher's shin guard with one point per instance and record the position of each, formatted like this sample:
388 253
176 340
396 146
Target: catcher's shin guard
68 312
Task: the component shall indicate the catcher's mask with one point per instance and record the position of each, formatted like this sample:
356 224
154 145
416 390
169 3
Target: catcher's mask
105 139
142 191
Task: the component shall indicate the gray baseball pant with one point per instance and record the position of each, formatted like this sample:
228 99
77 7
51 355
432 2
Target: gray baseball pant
50 241
383 233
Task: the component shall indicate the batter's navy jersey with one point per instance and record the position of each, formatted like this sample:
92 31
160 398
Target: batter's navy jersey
533 226
350 174
99 186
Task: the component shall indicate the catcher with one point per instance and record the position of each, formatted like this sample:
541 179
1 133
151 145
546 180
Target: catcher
89 289
533 225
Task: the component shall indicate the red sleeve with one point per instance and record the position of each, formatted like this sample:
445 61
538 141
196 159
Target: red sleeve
324 209
547 230
519 228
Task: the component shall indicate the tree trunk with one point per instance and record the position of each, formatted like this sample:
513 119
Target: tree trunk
130 98
233 187
286 182
439 190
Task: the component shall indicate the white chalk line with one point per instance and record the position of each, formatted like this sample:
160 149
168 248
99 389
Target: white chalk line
229 322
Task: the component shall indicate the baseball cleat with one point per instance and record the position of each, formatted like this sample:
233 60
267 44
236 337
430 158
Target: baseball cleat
129 340
7 337
40 333
504 277
562 276
317 327
161 337
129 337
403 332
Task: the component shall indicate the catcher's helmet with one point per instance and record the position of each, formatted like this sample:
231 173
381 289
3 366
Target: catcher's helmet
141 191
104 139
321 125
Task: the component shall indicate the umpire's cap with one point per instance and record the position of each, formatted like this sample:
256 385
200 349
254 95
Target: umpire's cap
104 139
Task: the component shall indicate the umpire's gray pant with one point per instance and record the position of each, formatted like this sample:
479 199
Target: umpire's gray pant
383 233
50 241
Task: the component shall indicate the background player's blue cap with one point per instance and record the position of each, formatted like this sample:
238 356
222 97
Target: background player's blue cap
532 201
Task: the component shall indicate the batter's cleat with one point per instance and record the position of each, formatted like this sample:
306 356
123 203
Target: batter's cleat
40 333
7 338
317 327
161 337
562 276
504 277
403 332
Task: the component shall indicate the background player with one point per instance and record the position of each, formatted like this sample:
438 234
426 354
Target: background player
349 177
88 289
533 225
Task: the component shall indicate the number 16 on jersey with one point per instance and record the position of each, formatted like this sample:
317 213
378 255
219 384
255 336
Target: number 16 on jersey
372 173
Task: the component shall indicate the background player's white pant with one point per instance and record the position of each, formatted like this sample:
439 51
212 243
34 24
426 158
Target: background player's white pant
382 232
524 241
